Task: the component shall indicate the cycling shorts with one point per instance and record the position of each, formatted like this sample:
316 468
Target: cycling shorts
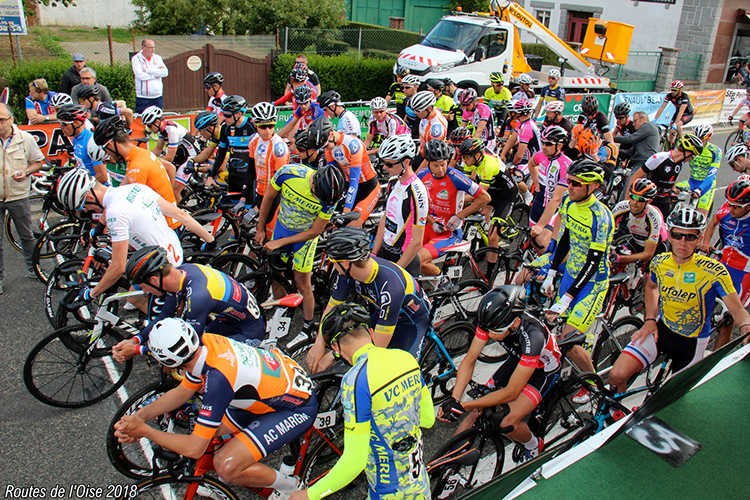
437 243
501 205
706 199
684 351
304 251
367 197
535 389
263 434
587 304
415 266
741 282
248 332
686 118
407 335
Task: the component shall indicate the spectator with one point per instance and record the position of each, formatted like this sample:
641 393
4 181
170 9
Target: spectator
149 70
88 77
745 73
38 108
733 75
301 63
15 169
72 77
644 141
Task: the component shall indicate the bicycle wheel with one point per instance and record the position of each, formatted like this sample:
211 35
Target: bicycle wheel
135 460
169 487
66 369
39 223
733 139
437 371
55 246
462 306
221 228
452 481
609 347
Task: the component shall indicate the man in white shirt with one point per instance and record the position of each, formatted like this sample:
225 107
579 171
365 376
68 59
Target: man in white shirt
149 69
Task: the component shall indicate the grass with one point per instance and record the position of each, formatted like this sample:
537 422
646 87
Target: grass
63 34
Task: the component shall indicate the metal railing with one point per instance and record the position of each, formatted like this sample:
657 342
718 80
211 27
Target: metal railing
688 67
359 42
639 74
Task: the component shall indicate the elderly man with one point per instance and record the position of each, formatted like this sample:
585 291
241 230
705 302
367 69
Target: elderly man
149 70
38 102
644 141
88 77
21 157
72 77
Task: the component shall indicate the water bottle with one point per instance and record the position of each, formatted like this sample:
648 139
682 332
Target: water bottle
287 466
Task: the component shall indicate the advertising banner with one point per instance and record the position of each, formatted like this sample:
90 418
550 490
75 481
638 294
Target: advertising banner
11 14
707 105
648 102
731 99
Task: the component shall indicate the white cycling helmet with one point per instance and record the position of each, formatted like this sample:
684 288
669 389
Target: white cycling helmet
172 342
410 80
525 79
554 73
150 115
73 186
555 106
397 147
686 218
60 99
96 152
522 106
421 101
264 112
704 131
378 104
736 151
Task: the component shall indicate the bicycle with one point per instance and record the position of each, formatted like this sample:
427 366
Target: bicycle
740 136
667 136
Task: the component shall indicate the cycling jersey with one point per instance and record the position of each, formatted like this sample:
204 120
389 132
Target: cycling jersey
625 129
447 193
267 158
599 122
482 113
703 168
41 107
678 101
81 152
399 307
549 94
234 140
133 215
644 228
299 207
307 117
172 133
389 126
662 170
349 124
567 125
314 95
444 104
736 237
214 103
499 182
106 110
312 77
211 302
523 94
407 205
528 134
385 403
687 292
432 127
498 100
552 172
351 156
145 168
396 91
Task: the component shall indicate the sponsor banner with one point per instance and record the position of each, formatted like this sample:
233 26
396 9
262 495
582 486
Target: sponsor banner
707 105
648 102
361 112
573 104
731 99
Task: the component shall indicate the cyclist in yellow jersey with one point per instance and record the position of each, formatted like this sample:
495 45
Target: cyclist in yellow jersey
386 403
498 97
680 297
443 102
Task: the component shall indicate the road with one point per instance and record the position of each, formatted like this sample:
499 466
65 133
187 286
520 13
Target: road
45 447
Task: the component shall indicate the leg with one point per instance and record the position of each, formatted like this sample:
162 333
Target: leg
2 235
303 281
20 212
428 268
635 357
578 354
237 465
518 410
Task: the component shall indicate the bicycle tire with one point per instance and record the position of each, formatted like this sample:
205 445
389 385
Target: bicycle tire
244 269
433 366
605 352
84 368
221 229
733 139
453 481
48 254
152 489
36 202
129 458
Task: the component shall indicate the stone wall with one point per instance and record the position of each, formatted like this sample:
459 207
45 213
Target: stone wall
698 25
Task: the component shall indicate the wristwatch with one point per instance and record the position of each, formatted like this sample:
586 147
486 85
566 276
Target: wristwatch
28 172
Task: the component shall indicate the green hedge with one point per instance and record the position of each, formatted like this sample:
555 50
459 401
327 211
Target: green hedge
380 38
118 79
353 79
539 49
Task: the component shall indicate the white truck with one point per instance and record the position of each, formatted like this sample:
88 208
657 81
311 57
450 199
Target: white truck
467 47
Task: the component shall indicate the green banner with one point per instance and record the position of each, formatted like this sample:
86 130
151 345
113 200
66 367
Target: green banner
361 112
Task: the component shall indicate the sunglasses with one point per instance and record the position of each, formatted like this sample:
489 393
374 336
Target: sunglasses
389 165
621 117
548 143
266 126
574 183
227 115
733 205
209 86
63 123
635 197
687 237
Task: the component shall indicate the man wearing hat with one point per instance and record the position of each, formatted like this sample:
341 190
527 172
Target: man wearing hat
72 77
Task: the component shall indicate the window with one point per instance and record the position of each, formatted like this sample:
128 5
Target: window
543 16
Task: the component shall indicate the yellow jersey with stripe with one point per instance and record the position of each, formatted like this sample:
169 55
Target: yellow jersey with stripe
591 227
299 207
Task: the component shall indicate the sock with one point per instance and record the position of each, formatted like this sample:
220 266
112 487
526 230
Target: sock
532 444
284 483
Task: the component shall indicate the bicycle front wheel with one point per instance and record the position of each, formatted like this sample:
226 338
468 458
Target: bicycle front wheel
172 488
69 370
733 139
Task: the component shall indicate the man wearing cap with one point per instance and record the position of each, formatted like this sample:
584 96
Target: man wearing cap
72 77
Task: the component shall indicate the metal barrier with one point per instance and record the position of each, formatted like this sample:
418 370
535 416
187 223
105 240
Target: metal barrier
688 67
359 42
639 74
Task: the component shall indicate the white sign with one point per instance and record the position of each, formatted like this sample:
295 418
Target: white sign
194 63
732 98
11 11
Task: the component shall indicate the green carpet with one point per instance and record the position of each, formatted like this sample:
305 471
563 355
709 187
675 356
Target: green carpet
715 415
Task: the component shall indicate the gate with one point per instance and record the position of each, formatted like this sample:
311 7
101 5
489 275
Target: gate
639 74
243 75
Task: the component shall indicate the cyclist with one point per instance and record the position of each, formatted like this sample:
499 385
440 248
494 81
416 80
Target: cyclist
396 91
524 88
683 108
583 232
410 84
489 172
181 145
624 126
299 77
308 198
743 102
590 144
549 173
703 168
136 216
638 218
738 157
526 136
233 146
592 118
208 126
401 229
499 97
663 169
455 139
734 223
249 392
448 189
399 309
432 125
311 143
299 70
382 125
680 297
73 124
478 116
443 102
88 96
386 402
348 122
532 366
214 84
307 112
207 299
551 92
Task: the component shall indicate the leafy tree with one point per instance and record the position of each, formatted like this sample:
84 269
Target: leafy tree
469 5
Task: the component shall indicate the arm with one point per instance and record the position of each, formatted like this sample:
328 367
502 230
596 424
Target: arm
159 148
171 171
411 250
125 112
351 463
534 172
739 313
709 233
285 98
651 299
194 226
116 267
378 243
522 147
140 74
102 174
318 226
637 136
639 174
649 249
204 155
158 69
552 206
482 198
33 116
509 145
518 381
660 110
290 127
608 136
466 368
480 128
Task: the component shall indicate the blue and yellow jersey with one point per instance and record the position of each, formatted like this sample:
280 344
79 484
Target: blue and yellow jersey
384 397
591 227
299 207
687 292
703 168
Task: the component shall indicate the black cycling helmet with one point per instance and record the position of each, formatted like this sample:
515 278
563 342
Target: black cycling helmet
621 109
342 319
328 98
205 119
319 131
329 184
212 78
448 82
470 147
71 112
401 71
590 104
588 171
437 150
435 84
87 91
299 74
458 136
500 307
234 104
738 192
144 263
302 94
348 244
108 129
302 140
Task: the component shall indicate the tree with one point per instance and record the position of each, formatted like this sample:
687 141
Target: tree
469 5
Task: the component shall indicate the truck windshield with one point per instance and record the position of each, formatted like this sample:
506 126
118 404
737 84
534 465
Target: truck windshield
452 35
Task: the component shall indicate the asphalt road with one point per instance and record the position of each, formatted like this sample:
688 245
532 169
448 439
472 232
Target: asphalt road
44 447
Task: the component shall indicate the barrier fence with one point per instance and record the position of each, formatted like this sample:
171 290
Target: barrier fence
359 42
